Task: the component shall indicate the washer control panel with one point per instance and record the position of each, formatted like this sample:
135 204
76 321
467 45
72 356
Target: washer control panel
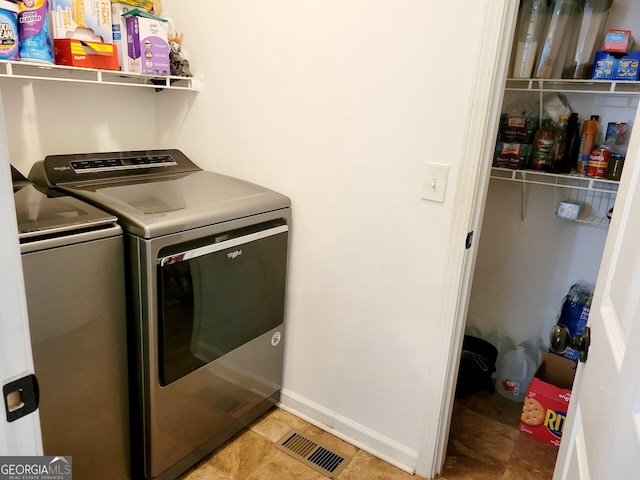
106 166
123 163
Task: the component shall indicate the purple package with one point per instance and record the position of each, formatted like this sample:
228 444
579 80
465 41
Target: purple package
33 29
147 46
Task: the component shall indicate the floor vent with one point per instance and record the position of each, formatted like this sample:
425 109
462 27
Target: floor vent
312 454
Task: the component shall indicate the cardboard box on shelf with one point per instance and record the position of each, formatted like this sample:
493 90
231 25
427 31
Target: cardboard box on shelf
81 19
119 29
607 66
547 399
617 41
147 46
79 53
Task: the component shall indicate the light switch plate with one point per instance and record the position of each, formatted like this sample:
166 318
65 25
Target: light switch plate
434 187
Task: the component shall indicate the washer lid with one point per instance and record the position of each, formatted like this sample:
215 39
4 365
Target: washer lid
39 214
161 205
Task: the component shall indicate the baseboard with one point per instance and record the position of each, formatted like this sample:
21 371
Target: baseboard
354 433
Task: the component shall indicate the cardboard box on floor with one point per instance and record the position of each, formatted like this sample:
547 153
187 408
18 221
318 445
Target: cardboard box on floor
547 399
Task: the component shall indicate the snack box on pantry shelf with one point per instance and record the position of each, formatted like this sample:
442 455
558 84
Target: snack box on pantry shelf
616 67
78 53
547 399
618 41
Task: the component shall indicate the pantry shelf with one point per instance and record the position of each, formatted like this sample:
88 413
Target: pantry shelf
578 182
59 73
624 88
595 196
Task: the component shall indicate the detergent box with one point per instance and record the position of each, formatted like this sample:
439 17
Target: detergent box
82 19
547 400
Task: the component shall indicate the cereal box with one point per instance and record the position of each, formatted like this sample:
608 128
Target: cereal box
547 399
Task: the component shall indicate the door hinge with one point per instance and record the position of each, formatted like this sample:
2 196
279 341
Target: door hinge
469 241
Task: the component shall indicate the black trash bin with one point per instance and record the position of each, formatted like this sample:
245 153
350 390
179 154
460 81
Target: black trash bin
477 365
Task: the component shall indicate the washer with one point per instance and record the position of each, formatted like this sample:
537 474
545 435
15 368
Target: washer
207 261
73 264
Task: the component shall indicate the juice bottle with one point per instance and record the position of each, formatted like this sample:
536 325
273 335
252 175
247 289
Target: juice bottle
543 144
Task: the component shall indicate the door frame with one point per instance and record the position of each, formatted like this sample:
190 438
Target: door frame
479 143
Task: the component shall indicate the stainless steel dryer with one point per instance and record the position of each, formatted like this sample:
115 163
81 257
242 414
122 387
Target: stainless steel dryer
73 264
207 260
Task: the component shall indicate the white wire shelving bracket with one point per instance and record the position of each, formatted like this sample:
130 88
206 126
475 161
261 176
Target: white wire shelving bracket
60 73
596 196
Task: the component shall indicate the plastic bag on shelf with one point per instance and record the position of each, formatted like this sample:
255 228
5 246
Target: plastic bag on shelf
555 105
177 58
519 121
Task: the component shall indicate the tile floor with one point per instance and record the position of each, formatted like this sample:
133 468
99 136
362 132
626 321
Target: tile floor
484 444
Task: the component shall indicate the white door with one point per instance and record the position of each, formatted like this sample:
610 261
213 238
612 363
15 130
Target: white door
602 433
22 436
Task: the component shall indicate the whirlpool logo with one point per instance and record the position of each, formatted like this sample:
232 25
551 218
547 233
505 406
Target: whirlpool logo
232 255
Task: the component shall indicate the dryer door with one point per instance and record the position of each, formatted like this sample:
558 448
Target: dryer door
216 297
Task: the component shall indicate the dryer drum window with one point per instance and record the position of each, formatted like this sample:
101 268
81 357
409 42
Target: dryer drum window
214 298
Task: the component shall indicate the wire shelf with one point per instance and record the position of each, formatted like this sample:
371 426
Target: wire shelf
596 206
595 196
60 73
617 87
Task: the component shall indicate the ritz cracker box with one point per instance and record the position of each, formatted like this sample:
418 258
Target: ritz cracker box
547 400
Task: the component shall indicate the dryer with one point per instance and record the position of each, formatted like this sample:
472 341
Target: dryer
207 261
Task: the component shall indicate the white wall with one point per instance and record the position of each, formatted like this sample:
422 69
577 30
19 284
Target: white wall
525 268
339 105
46 118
